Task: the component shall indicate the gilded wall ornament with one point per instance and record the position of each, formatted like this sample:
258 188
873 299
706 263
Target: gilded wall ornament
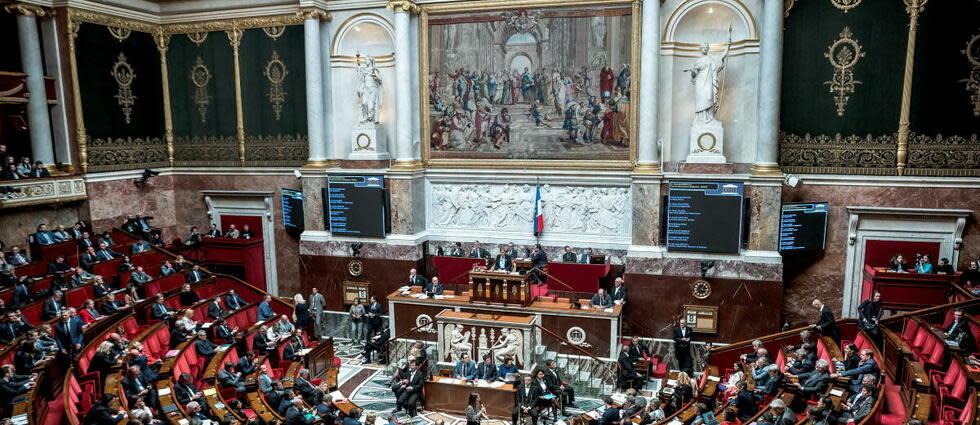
843 54
972 53
845 5
197 37
123 73
275 72
200 77
274 32
119 33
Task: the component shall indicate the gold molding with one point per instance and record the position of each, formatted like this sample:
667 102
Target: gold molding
314 13
845 5
163 44
119 33
198 38
407 164
913 8
235 38
82 15
124 75
542 164
318 164
403 6
27 9
275 72
843 55
236 23
653 168
275 31
765 170
787 6
81 138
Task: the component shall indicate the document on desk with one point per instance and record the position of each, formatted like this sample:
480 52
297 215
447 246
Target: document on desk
497 384
338 396
163 391
836 392
303 352
210 391
593 414
714 378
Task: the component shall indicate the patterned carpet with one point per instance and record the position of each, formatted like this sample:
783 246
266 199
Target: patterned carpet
367 386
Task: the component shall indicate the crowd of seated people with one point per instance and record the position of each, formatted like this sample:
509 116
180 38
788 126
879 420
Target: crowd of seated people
23 169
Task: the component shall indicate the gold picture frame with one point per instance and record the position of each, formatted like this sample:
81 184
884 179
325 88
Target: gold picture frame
502 5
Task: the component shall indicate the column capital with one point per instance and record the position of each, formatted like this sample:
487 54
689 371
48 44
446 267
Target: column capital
403 6
27 9
314 13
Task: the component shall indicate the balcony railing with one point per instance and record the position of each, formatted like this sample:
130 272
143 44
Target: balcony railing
49 190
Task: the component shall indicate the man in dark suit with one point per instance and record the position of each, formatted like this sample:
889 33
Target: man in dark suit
618 291
827 325
68 335
105 253
230 378
22 294
261 342
601 300
88 259
682 345
296 415
204 348
234 301
100 289
564 391
10 388
215 232
52 307
866 366
17 258
8 330
195 275
411 389
465 368
310 394
628 377
479 251
526 399
611 415
512 250
773 384
959 332
638 350
224 332
457 250
376 344
214 309
745 402
568 256
503 261
185 391
85 242
374 311
246 363
539 260
433 287
43 237
415 279
159 310
486 370
136 386
290 350
816 381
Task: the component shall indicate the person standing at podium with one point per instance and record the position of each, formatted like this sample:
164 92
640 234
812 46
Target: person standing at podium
539 260
618 291
503 262
414 279
568 256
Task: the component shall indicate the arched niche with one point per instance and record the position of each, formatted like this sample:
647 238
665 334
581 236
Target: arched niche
366 33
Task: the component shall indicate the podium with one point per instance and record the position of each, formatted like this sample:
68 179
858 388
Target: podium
503 288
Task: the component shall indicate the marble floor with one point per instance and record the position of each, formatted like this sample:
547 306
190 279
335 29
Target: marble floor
366 384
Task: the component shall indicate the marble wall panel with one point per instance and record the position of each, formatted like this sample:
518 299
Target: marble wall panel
764 210
111 201
329 272
646 213
18 223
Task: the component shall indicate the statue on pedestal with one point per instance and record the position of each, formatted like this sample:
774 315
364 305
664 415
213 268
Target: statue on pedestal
369 91
707 133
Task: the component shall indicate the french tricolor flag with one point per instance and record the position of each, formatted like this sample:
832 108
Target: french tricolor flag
538 212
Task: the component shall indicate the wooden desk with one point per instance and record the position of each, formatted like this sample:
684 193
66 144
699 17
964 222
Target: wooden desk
444 396
906 291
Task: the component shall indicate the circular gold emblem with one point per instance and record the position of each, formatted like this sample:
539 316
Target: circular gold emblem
363 142
713 141
355 268
701 289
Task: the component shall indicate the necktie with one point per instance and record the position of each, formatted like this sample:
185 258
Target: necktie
44 238
139 386
12 332
55 304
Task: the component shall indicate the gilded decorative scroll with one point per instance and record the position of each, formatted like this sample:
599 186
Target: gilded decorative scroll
274 32
845 5
111 154
197 38
200 151
943 156
119 33
200 77
123 73
843 54
837 154
972 53
275 72
276 150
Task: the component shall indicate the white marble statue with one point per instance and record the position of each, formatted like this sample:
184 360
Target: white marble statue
509 345
369 91
457 342
706 77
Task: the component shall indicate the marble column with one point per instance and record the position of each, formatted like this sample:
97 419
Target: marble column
648 158
314 87
770 82
404 156
326 79
38 112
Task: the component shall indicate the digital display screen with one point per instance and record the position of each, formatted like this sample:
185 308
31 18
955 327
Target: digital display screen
355 205
705 216
292 208
803 226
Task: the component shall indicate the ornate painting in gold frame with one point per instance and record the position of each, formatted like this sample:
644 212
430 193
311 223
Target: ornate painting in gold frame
478 59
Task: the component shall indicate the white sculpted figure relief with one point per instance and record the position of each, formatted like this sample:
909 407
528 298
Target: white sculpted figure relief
457 342
508 207
369 91
510 344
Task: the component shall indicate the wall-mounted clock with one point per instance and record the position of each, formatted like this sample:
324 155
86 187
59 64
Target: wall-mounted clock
701 289
355 268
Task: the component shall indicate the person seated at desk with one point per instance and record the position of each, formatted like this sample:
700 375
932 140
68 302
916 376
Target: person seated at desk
111 306
203 347
512 250
415 279
224 332
527 399
232 232
230 378
433 287
601 300
185 328
628 377
141 246
923 265
815 381
283 327
944 267
457 250
568 256
618 292
17 258
100 288
410 389
465 368
103 413
185 391
126 264
195 411
105 253
43 237
246 232
745 402
215 232
88 259
60 233
563 390
167 268
774 383
52 307
897 264
291 350
88 313
859 406
135 386
180 264
508 368
486 370
261 341
959 332
265 309
638 350
586 257
866 366
59 266
85 242
233 301
611 415
479 251
195 275
296 414
806 359
753 355
503 262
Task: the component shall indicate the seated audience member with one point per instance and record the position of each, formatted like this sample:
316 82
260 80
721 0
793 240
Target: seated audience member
167 269
17 258
486 370
233 301
24 166
568 256
89 259
465 368
618 292
110 305
60 233
230 378
601 300
782 415
203 347
638 350
143 413
59 267
103 413
415 279
188 297
85 242
434 287
311 394
376 344
159 310
106 238
923 265
959 334
265 309
180 264
193 237
265 380
745 401
971 276
635 404
527 400
859 406
22 293
866 366
7 276
100 288
10 173
195 275
628 377
105 253
88 313
135 386
196 412
185 391
232 232
774 383
897 264
760 371
75 232
141 246
45 342
508 368
80 277
246 363
52 307
215 232
185 327
944 267
611 414
409 388
563 390
155 238
215 311
43 237
262 342
283 327
246 232
586 256
816 381
291 350
26 358
137 279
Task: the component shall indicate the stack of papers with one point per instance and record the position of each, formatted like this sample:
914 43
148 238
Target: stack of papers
672 382
497 384
210 391
836 392
714 378
338 397
164 391
619 398
594 414
19 419
303 352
